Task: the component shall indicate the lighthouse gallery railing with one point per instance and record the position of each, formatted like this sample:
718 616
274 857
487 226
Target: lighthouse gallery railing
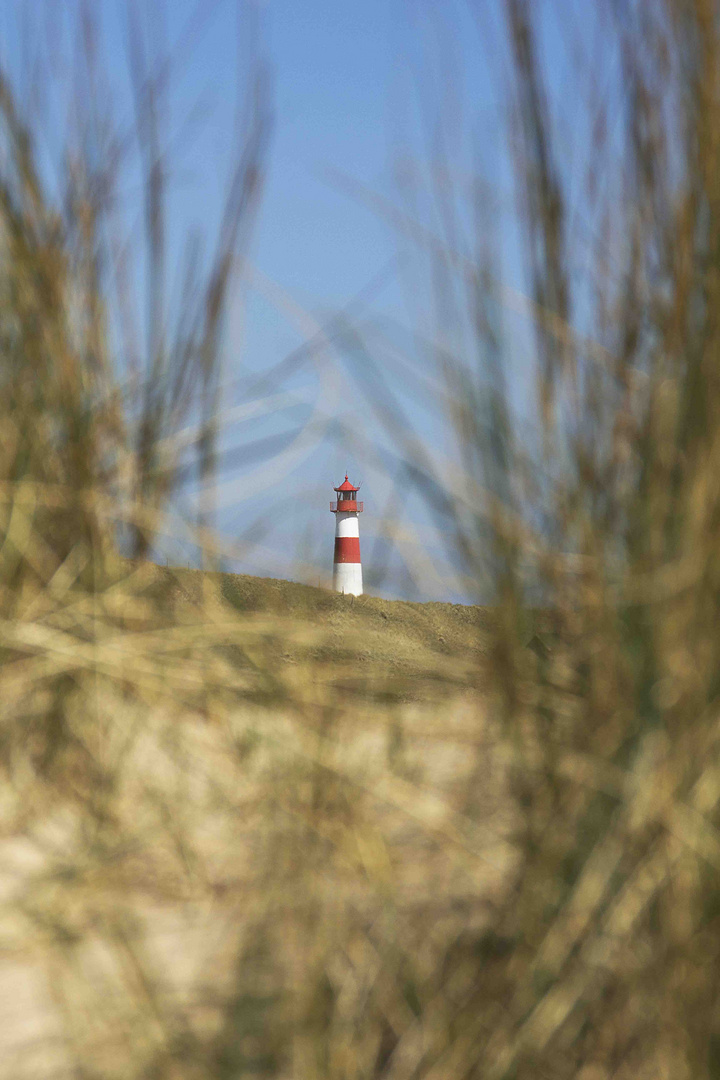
346 504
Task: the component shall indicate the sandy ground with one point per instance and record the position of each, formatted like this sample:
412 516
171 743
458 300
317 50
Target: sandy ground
443 866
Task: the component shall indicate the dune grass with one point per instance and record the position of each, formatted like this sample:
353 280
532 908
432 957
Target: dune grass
248 828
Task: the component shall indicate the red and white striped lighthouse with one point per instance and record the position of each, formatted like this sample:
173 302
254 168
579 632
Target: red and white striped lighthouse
347 568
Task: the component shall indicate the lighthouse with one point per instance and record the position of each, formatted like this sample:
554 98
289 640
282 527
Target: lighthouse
347 568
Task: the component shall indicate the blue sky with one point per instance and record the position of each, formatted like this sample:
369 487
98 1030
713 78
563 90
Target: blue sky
357 89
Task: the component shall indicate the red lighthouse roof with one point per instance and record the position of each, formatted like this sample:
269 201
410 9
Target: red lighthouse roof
346 486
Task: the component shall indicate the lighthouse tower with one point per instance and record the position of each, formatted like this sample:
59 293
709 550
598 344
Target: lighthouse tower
347 568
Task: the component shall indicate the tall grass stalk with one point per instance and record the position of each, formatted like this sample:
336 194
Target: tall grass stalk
240 834
598 535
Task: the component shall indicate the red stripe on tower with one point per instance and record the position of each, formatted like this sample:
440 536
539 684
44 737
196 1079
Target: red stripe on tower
347 549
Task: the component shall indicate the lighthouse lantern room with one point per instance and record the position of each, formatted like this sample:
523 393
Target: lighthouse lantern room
347 568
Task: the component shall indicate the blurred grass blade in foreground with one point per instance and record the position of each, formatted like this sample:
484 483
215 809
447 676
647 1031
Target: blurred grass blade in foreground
248 829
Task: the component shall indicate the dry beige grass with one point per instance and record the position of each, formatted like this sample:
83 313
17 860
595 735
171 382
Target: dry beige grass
265 833
248 829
